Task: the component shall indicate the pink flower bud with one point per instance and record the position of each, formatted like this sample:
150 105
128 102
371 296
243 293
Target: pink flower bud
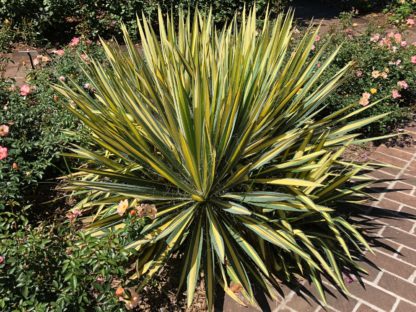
74 41
4 152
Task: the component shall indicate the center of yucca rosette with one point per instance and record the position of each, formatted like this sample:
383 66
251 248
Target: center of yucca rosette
198 198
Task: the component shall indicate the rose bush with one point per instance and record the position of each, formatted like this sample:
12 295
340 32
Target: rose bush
59 20
384 70
33 125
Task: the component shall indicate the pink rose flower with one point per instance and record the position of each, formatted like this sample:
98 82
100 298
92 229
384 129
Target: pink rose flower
59 52
4 130
122 206
313 48
24 90
375 38
317 38
398 38
365 99
402 84
413 59
1 259
410 22
74 42
375 74
403 44
62 78
358 73
395 94
72 215
85 58
385 42
390 35
4 152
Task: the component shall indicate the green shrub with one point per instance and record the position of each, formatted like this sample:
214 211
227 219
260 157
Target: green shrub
59 20
50 268
381 66
6 38
214 134
401 9
36 125
363 6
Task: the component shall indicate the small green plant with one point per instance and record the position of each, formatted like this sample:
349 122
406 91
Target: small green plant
6 37
215 134
401 10
53 268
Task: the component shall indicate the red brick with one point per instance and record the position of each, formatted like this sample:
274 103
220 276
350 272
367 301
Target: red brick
365 308
387 159
398 220
398 286
404 187
382 186
405 307
412 166
407 255
408 178
392 265
400 237
409 149
382 175
388 247
304 302
391 171
388 204
406 199
340 302
398 153
371 269
410 171
409 213
372 295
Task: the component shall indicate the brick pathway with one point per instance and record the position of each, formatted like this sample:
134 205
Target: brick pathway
18 67
391 283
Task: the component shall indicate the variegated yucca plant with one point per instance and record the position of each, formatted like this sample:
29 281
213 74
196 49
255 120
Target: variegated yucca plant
220 129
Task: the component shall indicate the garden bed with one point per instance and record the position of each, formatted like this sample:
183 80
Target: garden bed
38 223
